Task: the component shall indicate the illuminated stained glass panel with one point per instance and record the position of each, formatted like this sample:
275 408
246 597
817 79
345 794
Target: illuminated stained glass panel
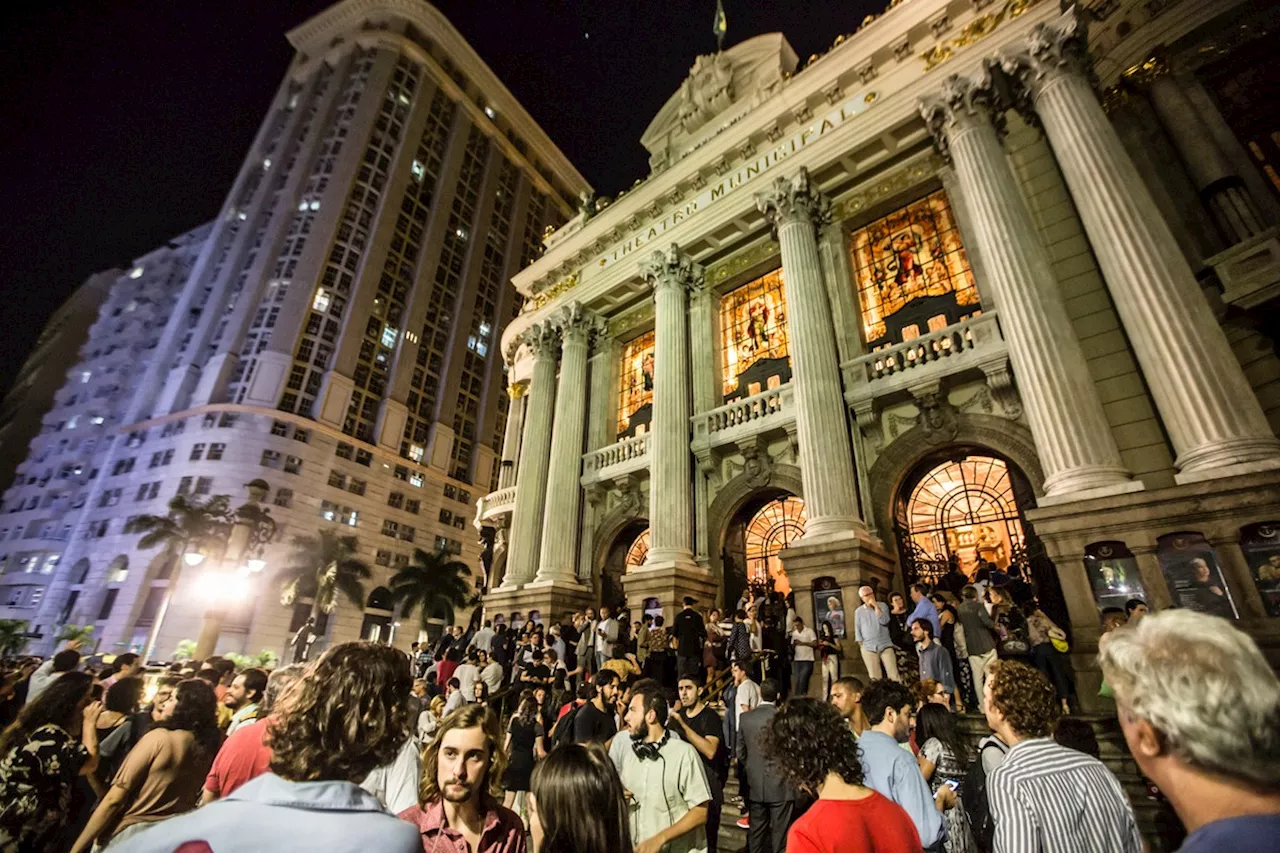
635 397
912 273
753 332
966 509
639 550
778 524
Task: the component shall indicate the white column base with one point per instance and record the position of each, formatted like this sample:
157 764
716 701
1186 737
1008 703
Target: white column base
1084 494
668 559
1199 475
1099 479
834 528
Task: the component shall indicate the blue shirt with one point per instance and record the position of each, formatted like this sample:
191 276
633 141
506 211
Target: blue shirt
894 772
871 627
926 610
270 813
1255 833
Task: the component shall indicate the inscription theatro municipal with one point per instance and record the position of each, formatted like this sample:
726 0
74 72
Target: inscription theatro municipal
740 177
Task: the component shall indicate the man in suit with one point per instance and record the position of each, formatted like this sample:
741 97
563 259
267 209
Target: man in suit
772 800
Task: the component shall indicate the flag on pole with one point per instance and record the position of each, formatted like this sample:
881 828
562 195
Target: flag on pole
721 25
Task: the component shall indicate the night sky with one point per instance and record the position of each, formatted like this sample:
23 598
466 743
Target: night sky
124 121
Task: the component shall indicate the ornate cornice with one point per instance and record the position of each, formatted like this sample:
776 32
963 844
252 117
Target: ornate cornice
794 200
963 100
725 269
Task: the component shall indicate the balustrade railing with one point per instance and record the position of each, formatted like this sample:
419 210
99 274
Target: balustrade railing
773 404
625 450
974 337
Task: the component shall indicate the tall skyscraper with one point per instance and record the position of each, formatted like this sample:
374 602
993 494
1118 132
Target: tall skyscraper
336 335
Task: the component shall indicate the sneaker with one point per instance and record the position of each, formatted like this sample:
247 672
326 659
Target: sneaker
744 822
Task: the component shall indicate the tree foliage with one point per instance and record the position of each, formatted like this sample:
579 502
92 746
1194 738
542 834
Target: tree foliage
322 567
434 584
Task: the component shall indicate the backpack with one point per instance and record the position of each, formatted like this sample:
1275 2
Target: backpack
976 807
564 728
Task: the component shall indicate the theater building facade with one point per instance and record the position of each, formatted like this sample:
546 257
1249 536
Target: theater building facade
985 281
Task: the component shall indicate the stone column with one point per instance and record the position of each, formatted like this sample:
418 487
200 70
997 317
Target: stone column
564 481
511 437
704 344
531 481
796 211
1073 438
1221 188
670 482
1211 414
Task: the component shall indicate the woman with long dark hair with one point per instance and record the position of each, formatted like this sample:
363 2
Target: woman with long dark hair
945 757
523 746
163 775
576 803
53 740
829 649
120 702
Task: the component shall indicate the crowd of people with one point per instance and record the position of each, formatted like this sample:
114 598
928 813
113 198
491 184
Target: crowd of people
565 740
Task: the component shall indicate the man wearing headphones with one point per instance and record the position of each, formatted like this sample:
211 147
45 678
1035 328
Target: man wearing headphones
666 787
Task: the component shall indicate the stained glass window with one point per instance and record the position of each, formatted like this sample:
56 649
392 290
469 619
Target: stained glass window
778 524
635 398
966 509
639 550
912 273
753 332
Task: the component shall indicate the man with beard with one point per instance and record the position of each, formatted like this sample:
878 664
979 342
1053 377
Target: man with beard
243 697
662 776
461 782
702 727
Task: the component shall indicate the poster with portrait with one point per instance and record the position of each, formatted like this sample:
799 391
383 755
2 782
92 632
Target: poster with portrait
1113 574
828 606
1261 546
1191 569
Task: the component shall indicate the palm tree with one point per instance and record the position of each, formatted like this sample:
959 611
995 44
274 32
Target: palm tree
77 634
434 583
13 636
323 566
190 525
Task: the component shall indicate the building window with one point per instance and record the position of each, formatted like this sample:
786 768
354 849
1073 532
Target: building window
635 397
302 435
284 498
390 528
107 603
754 337
279 428
407 533
270 459
337 479
184 486
464 496
451 491
412 506
416 452
446 517
776 525
357 486
416 479
210 420
204 485
395 500
124 466
400 472
197 453
364 457
382 558
349 516
228 419
215 452
911 273
292 465
344 450
329 510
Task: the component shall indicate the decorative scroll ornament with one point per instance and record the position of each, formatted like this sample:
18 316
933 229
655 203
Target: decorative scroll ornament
670 268
1053 48
576 322
794 200
964 100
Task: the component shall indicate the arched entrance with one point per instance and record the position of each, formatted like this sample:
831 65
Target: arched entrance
762 527
379 616
629 550
963 505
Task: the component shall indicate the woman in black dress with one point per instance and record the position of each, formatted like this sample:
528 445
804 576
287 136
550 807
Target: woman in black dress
523 747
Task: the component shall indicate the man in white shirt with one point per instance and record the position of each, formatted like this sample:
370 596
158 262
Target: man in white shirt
803 641
455 698
50 671
468 673
490 673
606 637
483 639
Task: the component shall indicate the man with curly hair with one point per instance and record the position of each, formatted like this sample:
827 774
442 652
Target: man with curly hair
461 782
1200 709
346 716
1046 797
814 749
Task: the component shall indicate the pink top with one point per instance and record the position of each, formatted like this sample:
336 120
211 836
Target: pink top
503 830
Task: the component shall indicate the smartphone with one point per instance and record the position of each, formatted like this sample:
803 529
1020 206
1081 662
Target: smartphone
953 784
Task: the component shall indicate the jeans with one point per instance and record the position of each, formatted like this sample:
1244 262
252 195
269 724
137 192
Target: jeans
714 807
769 825
1053 664
978 666
830 673
688 667
804 672
601 657
882 663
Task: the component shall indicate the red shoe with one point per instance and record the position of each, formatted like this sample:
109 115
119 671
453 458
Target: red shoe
744 822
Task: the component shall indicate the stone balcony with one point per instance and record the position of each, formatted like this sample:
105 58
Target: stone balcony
616 460
974 345
772 410
494 504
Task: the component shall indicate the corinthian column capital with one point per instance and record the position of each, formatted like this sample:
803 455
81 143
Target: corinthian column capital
794 200
576 323
1053 49
671 268
964 102
543 339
